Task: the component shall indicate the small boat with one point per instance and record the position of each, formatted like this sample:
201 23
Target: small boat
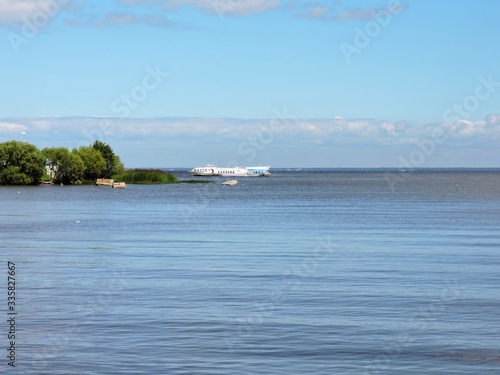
230 183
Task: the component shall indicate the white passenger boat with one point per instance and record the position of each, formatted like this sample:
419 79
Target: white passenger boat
212 170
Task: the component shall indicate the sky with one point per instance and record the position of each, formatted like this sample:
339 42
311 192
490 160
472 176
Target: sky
183 83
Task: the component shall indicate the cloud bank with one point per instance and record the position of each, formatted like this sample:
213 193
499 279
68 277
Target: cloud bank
337 130
22 12
158 13
125 12
17 11
114 19
323 12
283 140
9 128
230 7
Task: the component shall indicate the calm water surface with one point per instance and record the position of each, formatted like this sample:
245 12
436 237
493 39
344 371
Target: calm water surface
317 272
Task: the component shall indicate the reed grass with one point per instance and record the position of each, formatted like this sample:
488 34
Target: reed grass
146 176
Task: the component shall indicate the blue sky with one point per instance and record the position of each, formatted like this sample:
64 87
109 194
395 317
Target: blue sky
282 83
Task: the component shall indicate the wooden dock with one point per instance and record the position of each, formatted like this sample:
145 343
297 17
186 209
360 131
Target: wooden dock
111 183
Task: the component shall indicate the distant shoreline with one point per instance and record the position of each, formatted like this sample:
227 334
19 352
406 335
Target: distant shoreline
356 169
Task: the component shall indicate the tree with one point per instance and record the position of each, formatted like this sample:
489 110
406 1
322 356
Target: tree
119 167
66 167
93 161
108 155
21 163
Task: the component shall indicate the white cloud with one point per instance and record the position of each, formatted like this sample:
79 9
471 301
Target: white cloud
121 18
355 14
231 7
322 12
19 11
186 141
338 130
12 128
317 12
137 2
493 119
16 11
157 16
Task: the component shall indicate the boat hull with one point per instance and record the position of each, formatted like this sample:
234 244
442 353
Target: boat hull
213 171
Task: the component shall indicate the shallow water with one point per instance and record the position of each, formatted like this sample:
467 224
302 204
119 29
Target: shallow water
311 271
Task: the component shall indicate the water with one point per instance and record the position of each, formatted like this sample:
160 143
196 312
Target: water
311 271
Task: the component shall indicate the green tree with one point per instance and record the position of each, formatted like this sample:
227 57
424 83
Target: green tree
93 161
119 167
108 155
21 163
66 167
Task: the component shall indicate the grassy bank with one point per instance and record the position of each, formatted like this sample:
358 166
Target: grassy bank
146 176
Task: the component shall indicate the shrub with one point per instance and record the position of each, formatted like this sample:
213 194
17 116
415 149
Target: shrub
146 176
